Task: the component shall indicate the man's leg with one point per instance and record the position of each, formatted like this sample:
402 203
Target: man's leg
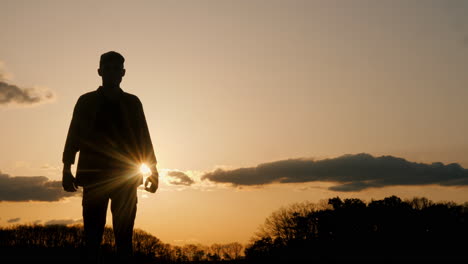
95 202
124 207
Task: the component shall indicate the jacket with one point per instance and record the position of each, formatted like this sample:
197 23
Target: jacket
135 146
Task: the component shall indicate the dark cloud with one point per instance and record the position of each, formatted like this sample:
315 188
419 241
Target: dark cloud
180 178
13 94
35 188
63 222
349 173
14 220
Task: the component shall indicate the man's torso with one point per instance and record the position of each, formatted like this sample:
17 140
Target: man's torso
108 138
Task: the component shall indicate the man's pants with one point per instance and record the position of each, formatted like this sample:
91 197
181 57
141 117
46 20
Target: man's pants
123 196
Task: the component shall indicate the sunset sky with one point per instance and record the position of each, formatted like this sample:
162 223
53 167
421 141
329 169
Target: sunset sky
361 99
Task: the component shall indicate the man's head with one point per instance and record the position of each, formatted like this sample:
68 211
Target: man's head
111 68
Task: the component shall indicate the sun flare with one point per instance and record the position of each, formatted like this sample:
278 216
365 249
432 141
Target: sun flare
145 170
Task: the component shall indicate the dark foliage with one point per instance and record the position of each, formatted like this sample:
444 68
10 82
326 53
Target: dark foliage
338 231
382 230
65 244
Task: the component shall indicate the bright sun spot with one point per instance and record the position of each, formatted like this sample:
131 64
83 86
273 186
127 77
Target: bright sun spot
145 170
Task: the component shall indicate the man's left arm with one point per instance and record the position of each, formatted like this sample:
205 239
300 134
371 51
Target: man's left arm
147 152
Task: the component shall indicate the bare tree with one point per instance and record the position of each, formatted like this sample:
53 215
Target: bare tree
216 250
282 224
194 252
419 203
235 250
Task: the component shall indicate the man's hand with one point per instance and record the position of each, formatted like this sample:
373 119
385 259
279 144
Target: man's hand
152 182
68 181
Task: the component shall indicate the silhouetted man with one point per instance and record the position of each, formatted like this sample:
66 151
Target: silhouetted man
109 130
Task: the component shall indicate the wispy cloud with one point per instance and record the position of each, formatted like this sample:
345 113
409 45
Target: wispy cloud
180 178
14 220
12 94
348 172
63 222
34 188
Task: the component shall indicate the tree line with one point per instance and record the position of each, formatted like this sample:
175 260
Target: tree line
332 231
351 229
66 242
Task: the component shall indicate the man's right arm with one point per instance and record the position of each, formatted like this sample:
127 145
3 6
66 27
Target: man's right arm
70 150
72 141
